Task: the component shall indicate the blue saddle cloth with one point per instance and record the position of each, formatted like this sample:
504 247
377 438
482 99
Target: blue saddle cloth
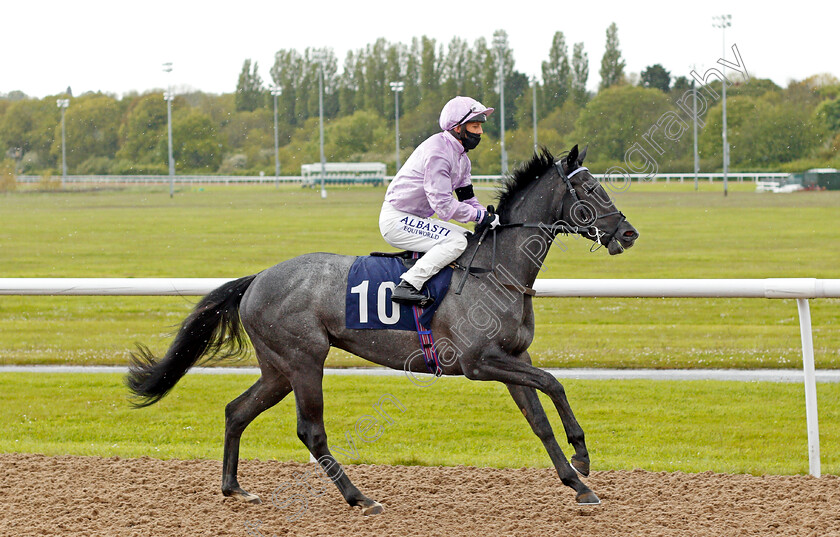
370 283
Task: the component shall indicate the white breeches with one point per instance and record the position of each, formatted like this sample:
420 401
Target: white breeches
442 242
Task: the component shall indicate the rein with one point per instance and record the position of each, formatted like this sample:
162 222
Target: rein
554 229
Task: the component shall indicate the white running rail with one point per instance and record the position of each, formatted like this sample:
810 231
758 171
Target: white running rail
800 289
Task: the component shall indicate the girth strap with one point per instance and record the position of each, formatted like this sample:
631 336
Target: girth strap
524 289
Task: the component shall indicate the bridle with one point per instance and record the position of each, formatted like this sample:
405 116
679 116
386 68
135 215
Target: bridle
559 227
593 231
563 227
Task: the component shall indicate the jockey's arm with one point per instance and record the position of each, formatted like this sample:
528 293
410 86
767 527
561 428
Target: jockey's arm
465 193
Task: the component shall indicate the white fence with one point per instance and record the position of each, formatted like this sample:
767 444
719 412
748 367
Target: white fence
800 289
297 179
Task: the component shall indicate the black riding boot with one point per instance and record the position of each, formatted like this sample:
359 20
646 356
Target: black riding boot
405 293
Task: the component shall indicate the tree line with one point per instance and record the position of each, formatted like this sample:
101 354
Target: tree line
769 127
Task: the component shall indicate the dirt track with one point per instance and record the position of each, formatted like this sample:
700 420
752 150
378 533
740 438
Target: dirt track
78 496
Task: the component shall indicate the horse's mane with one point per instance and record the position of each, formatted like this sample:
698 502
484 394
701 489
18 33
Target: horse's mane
522 177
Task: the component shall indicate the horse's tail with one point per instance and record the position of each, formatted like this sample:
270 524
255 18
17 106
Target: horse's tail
212 329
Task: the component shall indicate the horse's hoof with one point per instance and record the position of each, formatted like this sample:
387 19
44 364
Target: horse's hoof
374 509
580 466
240 494
588 498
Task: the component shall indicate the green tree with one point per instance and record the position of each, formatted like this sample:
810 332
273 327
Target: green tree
92 124
617 117
524 106
347 86
756 87
429 67
310 83
681 85
828 114
556 74
394 67
421 122
16 95
143 129
302 148
29 124
580 74
514 85
562 121
287 75
197 146
250 93
455 67
411 94
375 75
359 76
762 132
482 70
612 66
220 108
350 138
520 147
252 134
8 179
656 76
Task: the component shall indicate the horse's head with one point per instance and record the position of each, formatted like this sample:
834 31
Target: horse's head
586 208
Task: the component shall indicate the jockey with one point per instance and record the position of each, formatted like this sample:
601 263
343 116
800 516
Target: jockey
424 186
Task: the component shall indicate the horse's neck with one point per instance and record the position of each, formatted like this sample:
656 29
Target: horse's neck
521 251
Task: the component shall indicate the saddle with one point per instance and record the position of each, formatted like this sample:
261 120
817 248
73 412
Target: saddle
408 258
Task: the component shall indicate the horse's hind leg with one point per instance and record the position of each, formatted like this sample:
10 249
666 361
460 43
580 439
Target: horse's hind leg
264 394
309 397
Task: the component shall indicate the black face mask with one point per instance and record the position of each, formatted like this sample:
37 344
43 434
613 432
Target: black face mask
469 139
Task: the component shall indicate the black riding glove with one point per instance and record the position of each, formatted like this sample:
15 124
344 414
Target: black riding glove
490 219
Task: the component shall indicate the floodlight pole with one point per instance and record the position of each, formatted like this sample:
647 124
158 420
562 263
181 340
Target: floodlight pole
534 80
397 87
500 40
63 104
696 154
320 56
723 22
167 67
276 92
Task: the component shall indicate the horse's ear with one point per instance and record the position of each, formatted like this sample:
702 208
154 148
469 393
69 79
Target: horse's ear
573 156
583 154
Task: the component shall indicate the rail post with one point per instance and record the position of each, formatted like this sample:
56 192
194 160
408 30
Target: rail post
810 386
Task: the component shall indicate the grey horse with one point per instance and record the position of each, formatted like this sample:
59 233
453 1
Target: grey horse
294 312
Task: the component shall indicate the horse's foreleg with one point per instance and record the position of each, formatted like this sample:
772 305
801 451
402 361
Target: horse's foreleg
528 402
520 372
311 431
240 412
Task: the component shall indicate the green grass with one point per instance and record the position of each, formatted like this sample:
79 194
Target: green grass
230 231
690 426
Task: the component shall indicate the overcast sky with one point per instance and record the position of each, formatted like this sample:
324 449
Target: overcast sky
119 47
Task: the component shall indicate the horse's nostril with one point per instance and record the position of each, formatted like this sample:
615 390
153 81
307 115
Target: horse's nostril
631 235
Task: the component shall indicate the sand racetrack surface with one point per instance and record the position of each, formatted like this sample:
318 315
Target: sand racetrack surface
79 496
